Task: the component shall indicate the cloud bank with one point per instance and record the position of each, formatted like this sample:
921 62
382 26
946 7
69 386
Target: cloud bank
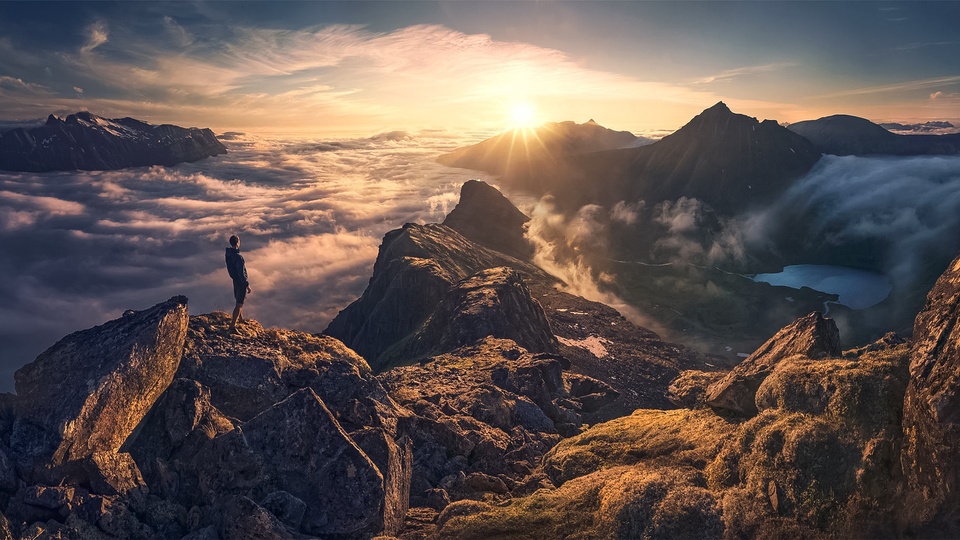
79 248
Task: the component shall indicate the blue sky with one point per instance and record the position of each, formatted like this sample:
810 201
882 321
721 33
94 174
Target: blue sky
363 67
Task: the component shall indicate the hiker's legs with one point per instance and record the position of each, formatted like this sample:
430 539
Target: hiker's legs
236 316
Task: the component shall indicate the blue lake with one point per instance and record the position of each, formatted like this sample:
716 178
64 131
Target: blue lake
857 289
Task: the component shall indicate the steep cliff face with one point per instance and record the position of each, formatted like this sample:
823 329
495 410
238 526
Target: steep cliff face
931 422
85 141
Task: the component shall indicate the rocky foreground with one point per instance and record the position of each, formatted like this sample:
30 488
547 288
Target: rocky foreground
487 404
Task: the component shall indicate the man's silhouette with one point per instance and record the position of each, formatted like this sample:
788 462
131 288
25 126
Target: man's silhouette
238 273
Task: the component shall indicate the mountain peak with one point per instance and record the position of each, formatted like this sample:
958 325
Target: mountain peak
720 107
486 217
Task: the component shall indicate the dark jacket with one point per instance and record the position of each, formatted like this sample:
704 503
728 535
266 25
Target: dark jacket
235 266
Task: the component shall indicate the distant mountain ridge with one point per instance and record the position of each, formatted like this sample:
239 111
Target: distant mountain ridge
728 160
845 135
85 141
547 146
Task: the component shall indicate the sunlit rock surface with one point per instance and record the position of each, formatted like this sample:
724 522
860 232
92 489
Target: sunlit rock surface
931 423
812 336
87 393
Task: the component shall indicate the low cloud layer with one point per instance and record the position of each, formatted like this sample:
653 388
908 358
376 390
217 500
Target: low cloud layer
81 247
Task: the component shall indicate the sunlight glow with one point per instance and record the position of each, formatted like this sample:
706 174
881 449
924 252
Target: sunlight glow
522 116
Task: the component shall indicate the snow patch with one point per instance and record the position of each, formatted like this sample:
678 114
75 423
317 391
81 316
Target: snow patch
593 344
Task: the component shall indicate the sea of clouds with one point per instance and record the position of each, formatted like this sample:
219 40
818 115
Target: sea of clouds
79 248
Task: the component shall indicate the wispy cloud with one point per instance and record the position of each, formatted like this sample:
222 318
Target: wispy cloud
737 73
922 45
97 35
348 76
920 84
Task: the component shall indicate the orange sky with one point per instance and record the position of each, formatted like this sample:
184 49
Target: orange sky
299 68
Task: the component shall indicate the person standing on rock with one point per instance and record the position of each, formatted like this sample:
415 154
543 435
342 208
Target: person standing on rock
238 273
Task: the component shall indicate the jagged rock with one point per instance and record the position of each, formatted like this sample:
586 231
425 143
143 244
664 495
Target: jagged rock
415 268
812 336
931 414
105 473
8 471
486 217
490 408
5 533
88 142
179 426
207 533
297 446
247 375
493 302
88 392
286 508
240 519
395 462
689 390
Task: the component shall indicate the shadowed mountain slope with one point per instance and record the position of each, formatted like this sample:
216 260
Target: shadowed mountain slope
521 151
845 135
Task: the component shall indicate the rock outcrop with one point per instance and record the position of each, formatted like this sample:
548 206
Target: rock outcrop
820 460
931 415
416 268
296 424
812 336
85 141
86 394
485 415
492 302
486 217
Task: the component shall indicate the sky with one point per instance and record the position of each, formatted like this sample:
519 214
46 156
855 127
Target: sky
368 67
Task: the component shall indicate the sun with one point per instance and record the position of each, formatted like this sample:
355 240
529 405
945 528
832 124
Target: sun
522 116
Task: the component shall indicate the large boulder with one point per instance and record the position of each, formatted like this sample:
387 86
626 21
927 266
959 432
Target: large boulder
493 302
87 393
812 336
931 414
